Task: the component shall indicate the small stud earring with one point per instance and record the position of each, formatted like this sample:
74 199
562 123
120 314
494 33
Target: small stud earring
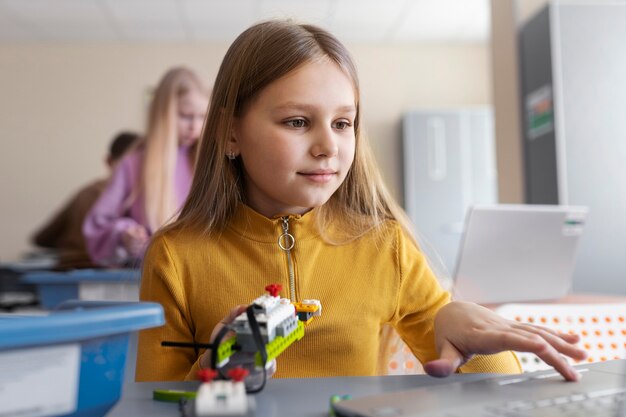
231 155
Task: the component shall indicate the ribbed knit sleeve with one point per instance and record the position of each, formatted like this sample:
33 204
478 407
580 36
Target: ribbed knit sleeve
160 282
419 299
500 363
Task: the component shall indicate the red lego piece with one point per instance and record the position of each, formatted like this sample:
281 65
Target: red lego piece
238 374
207 375
273 289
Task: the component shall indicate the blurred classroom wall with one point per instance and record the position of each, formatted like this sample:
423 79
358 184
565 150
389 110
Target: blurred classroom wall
62 103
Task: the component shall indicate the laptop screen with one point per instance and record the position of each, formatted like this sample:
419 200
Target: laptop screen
518 252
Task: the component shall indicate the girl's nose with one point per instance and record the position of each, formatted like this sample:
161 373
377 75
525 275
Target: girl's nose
325 144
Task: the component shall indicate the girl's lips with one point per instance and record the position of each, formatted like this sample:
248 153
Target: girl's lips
319 176
318 171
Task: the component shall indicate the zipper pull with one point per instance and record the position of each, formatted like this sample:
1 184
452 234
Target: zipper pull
286 241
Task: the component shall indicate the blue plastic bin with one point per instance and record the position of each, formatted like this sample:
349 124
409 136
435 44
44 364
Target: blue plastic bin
53 288
13 292
97 333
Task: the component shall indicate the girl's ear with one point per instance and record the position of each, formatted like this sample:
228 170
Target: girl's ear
234 131
232 146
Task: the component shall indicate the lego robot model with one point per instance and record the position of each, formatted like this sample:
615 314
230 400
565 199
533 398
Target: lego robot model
269 325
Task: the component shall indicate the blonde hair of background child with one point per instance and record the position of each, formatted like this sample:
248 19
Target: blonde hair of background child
156 184
259 56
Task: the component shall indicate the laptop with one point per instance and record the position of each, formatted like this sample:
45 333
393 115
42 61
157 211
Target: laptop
518 252
601 392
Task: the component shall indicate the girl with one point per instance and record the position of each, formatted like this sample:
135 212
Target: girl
152 182
286 191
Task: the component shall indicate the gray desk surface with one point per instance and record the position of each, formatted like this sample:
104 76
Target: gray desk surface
308 397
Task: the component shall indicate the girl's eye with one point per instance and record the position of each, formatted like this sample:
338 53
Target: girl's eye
342 124
296 123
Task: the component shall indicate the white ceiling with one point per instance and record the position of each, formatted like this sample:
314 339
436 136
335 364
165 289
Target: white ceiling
369 21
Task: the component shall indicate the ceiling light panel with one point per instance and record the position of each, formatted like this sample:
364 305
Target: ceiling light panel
218 20
307 11
220 10
144 10
440 21
365 20
371 12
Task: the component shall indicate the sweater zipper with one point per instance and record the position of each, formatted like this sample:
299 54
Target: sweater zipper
286 241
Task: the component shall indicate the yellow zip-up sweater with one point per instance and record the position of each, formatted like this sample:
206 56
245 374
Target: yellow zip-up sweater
362 285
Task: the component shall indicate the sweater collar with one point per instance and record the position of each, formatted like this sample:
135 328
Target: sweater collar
255 226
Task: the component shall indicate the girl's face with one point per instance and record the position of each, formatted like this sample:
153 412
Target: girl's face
192 108
296 139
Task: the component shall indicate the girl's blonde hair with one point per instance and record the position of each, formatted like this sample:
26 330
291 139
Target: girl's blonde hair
156 183
259 56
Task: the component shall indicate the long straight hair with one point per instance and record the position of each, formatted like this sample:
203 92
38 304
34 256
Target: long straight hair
156 182
261 55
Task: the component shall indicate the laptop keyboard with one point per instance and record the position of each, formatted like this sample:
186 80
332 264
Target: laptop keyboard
593 404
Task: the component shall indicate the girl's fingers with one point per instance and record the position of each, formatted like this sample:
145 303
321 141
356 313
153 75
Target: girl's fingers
550 356
205 361
523 341
557 340
569 338
232 315
449 360
271 368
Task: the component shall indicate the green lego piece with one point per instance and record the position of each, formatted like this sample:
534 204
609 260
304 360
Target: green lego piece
273 349
225 350
172 396
333 400
279 344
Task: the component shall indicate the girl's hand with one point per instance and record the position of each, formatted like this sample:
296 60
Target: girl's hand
464 329
205 359
134 240
238 358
